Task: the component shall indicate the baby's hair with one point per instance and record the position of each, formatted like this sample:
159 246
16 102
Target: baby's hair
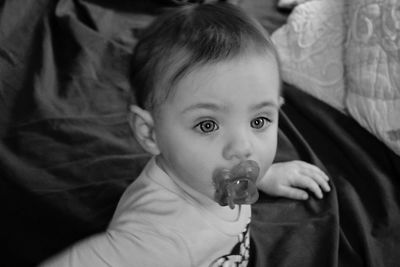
191 36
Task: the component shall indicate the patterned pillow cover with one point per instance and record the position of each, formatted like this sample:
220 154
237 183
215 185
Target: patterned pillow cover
347 54
310 47
372 60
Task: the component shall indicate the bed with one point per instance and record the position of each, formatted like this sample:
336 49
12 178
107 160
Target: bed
67 154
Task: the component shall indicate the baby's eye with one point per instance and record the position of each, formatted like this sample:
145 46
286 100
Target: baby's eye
207 126
259 122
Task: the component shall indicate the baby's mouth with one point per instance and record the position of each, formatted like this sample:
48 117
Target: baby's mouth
236 185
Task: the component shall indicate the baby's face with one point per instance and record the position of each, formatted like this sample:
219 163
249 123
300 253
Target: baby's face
218 116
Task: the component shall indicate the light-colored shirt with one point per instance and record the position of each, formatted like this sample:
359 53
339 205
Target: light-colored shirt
158 222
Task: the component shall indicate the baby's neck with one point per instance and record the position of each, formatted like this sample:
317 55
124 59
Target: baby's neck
222 212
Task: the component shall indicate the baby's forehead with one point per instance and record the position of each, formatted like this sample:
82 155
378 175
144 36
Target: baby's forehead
180 67
255 74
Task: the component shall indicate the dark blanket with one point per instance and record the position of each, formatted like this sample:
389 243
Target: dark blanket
67 154
358 222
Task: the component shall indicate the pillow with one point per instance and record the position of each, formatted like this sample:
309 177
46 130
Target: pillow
310 46
372 61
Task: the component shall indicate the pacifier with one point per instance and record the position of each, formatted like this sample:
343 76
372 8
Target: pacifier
238 185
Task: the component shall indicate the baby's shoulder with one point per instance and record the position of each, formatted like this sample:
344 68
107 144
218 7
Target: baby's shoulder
146 201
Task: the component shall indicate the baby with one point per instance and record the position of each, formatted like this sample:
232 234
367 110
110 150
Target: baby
207 84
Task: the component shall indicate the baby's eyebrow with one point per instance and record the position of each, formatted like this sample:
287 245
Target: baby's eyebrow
206 105
270 104
216 107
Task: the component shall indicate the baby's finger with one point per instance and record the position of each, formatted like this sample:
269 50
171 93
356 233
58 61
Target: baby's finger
320 181
294 193
308 183
310 169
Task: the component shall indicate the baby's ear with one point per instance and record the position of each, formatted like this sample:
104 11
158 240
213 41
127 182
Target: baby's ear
142 124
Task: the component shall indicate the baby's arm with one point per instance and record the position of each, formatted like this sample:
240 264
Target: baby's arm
291 179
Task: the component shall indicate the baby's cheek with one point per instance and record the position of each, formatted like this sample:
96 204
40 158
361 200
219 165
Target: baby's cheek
267 160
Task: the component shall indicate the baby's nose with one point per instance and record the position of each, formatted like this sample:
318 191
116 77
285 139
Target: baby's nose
238 146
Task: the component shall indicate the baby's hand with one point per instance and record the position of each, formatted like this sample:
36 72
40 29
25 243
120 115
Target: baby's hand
290 179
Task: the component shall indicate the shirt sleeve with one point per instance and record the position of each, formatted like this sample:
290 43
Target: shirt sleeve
114 248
